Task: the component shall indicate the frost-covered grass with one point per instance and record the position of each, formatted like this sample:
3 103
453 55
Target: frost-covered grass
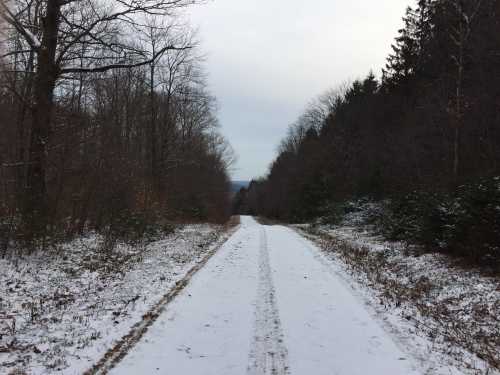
455 309
62 309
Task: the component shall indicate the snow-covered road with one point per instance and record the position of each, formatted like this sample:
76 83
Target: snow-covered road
267 303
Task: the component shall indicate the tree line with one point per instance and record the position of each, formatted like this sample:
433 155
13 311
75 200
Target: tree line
430 124
105 115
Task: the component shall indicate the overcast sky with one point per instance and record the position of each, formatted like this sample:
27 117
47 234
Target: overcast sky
266 59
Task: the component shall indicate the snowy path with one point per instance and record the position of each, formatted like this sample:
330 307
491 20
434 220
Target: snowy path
266 303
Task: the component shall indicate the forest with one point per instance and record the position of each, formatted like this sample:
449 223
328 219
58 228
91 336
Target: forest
107 123
422 139
371 246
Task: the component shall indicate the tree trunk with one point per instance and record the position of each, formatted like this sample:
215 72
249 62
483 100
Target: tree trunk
36 203
458 120
21 130
153 125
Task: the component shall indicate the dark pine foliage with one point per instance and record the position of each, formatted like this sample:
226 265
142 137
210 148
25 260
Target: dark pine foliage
425 135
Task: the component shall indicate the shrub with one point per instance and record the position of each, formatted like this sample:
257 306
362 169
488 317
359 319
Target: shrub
465 223
417 217
474 226
133 227
333 213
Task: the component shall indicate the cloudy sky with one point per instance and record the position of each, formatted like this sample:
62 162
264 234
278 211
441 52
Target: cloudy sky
266 59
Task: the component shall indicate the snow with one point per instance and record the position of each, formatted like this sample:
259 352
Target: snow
267 303
327 328
206 330
61 310
445 315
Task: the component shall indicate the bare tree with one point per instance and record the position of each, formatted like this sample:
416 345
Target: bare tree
65 27
465 14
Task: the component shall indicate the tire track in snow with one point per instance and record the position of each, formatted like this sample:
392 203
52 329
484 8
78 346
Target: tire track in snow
268 353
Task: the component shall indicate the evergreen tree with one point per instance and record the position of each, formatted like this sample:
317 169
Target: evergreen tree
411 50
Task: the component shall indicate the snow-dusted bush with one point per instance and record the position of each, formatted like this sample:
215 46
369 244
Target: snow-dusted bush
465 223
474 226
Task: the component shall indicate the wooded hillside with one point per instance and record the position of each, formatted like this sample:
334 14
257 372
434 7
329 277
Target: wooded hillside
105 117
430 125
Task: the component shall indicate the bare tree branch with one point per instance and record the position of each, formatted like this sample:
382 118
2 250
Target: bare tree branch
105 68
11 19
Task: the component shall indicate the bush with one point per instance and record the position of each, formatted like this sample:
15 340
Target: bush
474 228
133 227
417 217
332 213
465 223
359 212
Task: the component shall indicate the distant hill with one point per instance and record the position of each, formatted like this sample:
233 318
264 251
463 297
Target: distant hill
237 185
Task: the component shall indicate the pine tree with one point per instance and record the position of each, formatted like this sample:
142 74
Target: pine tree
401 63
411 49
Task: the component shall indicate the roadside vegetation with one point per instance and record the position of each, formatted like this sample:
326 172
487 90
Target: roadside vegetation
107 124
